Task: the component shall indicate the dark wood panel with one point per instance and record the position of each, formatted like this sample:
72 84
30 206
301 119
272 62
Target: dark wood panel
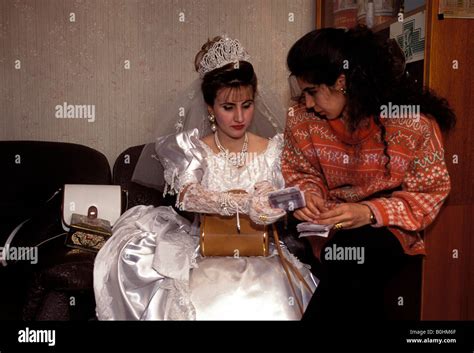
470 274
448 283
449 40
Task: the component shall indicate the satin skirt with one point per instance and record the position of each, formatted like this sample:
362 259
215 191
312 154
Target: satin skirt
151 269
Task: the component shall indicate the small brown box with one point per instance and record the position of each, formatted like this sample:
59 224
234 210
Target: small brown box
88 232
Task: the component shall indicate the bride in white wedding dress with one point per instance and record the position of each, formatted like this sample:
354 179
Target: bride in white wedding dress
151 267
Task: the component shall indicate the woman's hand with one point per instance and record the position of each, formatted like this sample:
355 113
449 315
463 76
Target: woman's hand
351 215
314 206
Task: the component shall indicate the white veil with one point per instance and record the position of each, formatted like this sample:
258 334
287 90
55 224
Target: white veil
189 111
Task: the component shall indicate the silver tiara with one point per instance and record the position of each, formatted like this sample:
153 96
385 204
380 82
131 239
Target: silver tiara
221 53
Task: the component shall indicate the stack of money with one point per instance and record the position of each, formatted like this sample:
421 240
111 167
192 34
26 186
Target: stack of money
308 229
288 199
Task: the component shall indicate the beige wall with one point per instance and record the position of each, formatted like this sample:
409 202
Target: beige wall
82 62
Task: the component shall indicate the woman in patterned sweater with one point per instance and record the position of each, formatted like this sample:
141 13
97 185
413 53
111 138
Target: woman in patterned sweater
365 146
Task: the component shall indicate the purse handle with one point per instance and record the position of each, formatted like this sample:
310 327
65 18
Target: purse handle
19 226
237 191
287 265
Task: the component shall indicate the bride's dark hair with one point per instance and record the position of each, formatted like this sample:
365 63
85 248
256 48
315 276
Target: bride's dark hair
225 76
375 74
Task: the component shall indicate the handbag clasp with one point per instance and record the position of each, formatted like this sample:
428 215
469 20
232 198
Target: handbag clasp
92 212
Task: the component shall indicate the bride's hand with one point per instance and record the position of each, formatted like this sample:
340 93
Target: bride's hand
260 210
314 206
262 213
263 188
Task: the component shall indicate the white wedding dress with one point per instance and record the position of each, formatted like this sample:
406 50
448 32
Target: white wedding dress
151 268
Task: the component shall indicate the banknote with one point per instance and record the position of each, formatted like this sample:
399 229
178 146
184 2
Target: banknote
288 199
308 229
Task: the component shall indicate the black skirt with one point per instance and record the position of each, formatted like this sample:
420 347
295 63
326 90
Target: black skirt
354 267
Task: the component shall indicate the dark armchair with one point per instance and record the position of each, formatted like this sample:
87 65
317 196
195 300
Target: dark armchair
60 285
52 288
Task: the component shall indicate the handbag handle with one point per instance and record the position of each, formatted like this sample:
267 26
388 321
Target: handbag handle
237 191
18 227
287 265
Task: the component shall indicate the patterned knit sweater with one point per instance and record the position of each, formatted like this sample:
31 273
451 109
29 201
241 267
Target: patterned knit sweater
320 155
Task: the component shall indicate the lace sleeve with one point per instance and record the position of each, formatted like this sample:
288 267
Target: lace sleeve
277 177
196 198
183 160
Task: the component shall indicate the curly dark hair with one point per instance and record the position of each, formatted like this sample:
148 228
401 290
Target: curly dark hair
375 75
225 76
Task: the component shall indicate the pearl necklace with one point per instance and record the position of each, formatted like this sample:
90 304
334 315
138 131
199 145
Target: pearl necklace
236 159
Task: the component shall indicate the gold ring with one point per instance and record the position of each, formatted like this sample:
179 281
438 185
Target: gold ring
338 226
263 218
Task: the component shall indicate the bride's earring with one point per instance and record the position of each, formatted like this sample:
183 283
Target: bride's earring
343 91
212 121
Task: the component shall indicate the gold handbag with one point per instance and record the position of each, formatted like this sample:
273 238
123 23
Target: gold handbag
220 237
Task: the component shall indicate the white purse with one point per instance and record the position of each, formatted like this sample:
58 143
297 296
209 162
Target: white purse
78 199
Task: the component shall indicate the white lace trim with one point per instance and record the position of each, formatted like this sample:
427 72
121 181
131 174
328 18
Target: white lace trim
104 301
222 176
178 304
175 182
